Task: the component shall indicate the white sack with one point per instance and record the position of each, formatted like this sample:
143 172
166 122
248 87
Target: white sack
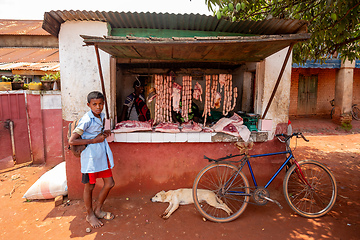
50 185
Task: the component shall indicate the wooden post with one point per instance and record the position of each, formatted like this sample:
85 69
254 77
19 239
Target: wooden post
102 80
278 80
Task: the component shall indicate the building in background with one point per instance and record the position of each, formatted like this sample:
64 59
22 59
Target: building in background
26 49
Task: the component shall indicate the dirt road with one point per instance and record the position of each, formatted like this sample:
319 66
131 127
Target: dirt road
138 218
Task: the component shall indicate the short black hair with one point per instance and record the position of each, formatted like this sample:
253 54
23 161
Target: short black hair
94 95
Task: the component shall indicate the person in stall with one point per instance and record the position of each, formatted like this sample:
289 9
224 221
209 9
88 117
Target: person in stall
135 107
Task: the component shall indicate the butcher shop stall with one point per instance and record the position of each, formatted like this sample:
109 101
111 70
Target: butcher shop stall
177 87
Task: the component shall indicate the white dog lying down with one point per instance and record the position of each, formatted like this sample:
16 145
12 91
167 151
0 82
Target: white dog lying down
184 196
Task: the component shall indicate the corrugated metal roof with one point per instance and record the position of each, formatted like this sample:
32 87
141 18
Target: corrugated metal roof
50 66
30 55
230 49
43 59
22 27
196 22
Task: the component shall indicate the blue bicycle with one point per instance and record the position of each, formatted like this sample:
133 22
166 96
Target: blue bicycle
309 186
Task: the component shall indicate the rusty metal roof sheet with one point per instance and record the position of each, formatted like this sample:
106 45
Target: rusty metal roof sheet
30 55
22 27
43 59
50 66
230 49
196 22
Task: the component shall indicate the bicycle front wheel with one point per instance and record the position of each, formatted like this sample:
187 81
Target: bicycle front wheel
355 111
312 191
221 192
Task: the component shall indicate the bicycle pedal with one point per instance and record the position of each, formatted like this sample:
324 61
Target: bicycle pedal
274 201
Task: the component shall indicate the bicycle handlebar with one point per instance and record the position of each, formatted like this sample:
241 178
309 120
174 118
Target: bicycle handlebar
287 137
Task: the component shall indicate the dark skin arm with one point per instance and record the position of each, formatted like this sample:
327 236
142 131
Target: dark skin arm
123 113
76 139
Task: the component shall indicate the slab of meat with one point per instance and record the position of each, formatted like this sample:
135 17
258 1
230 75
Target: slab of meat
232 126
223 122
167 127
191 126
176 94
237 129
132 126
208 130
237 118
197 91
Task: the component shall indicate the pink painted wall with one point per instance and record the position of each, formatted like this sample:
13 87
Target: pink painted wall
45 130
36 128
146 168
12 107
52 129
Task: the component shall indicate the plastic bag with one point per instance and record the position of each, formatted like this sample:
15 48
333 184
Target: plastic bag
51 184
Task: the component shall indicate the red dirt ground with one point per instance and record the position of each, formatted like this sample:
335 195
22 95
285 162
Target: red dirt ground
138 218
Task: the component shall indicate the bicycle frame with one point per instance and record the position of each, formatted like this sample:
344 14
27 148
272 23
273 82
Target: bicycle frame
246 159
265 155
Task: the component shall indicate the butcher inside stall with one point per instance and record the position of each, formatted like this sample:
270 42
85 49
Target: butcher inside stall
183 106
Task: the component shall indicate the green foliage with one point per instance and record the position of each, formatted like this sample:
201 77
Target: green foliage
5 79
51 77
346 126
334 24
46 77
17 78
56 76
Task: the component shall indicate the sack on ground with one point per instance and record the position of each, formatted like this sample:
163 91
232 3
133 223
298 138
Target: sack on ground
75 149
51 184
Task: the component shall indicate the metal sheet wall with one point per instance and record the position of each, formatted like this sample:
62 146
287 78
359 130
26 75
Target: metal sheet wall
12 107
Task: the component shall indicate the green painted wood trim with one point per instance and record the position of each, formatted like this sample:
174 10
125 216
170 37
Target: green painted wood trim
168 33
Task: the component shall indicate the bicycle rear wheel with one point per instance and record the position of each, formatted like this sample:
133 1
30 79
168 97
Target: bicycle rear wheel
355 112
310 201
221 192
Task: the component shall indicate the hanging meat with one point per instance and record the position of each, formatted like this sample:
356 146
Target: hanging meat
197 91
214 92
163 85
207 105
217 101
157 103
176 91
167 95
222 80
186 97
228 95
235 96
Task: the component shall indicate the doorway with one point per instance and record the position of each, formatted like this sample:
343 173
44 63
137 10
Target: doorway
307 94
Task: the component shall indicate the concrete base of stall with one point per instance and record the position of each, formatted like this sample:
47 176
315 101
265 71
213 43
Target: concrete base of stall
143 169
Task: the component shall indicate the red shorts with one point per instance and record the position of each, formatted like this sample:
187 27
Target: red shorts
91 177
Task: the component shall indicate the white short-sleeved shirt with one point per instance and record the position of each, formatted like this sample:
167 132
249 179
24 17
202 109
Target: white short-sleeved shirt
95 156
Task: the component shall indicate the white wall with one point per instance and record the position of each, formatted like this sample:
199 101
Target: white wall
267 73
51 100
79 68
